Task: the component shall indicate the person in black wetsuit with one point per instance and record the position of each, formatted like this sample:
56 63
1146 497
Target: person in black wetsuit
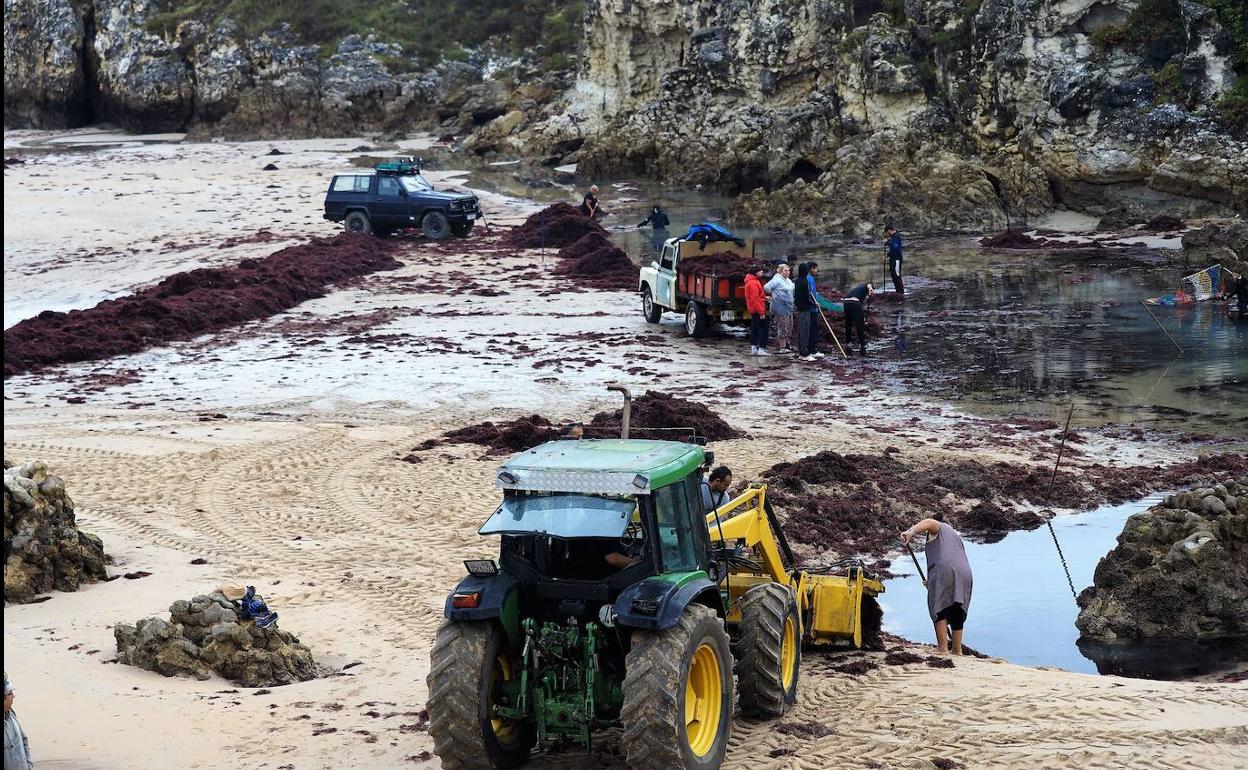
894 258
855 303
1239 291
658 219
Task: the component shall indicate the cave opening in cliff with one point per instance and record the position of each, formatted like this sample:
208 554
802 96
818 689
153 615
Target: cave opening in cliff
803 170
84 113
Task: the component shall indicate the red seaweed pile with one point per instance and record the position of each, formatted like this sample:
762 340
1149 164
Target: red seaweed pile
664 416
594 262
651 411
501 438
731 266
192 303
1012 239
856 504
558 225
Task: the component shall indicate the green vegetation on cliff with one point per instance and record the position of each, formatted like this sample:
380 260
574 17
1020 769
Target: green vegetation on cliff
428 30
1160 28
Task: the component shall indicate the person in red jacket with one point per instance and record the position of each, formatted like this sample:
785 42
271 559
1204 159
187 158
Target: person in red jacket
756 306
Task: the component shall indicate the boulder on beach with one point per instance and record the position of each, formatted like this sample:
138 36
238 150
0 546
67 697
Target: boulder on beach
206 635
1180 570
43 548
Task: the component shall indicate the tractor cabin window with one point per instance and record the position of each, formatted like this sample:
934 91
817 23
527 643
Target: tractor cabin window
676 539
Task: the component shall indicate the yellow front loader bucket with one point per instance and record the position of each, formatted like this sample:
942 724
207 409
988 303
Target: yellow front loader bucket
830 606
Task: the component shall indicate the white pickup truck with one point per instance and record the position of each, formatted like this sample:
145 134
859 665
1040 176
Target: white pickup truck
703 298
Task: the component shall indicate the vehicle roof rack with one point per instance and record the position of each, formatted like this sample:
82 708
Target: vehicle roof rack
401 166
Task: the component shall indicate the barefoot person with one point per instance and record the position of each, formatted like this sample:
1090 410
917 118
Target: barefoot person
948 580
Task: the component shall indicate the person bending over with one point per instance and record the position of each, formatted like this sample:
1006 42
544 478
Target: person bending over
855 303
948 580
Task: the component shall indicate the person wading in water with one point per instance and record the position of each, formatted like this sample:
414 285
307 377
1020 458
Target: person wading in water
948 580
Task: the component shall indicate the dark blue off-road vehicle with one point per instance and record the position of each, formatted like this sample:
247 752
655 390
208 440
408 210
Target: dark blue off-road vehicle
395 197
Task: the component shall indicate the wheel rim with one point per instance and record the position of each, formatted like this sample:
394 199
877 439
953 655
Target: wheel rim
704 695
647 304
691 319
788 653
504 729
355 225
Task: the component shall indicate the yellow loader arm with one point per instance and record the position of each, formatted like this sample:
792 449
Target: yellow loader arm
830 606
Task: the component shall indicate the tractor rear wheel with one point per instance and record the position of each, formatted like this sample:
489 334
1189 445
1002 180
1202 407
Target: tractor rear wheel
678 695
768 651
469 664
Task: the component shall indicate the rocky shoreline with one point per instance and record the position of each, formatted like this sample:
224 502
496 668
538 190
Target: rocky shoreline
1180 570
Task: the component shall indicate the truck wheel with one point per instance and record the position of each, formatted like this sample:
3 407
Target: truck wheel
696 322
678 695
462 230
651 311
435 225
357 222
469 663
768 651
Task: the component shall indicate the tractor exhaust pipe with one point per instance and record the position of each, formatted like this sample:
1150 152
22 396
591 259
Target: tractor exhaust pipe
628 408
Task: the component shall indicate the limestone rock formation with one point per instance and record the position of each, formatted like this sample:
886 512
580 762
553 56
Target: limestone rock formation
43 548
1224 242
44 76
207 634
1180 570
72 63
935 114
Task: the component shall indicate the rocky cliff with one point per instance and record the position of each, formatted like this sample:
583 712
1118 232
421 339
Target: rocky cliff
75 62
935 113
1180 569
830 115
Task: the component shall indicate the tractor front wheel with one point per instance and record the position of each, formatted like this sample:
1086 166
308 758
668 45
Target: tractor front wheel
768 651
678 695
470 668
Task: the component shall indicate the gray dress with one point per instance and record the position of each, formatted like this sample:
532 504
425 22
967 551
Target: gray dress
948 571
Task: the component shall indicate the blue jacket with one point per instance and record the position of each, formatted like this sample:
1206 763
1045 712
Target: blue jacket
815 296
894 247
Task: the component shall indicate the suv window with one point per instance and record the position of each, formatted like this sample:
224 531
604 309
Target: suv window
676 538
387 185
351 184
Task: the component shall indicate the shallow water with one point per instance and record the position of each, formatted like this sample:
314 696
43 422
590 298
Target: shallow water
1017 332
1022 608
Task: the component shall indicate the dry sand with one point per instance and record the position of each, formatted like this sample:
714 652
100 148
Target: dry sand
299 490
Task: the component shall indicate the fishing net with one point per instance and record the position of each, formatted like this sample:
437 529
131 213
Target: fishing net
1205 284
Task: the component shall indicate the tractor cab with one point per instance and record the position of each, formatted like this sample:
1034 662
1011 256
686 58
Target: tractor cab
581 522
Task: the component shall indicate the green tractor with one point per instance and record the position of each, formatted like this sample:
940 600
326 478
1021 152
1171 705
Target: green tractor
613 604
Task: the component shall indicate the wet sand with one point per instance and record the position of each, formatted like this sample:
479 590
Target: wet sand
298 487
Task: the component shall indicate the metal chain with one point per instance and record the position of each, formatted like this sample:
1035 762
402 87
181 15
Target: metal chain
1062 556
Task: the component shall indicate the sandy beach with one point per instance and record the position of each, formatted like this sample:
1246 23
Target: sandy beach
274 452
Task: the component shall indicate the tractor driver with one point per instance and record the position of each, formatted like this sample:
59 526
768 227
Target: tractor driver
627 551
715 488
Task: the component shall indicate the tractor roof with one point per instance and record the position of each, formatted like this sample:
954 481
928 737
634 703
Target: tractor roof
600 466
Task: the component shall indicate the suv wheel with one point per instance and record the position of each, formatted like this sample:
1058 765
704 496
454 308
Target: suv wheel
435 225
357 222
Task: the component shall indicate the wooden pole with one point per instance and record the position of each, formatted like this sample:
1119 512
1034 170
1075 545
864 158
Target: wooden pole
1159 326
831 333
